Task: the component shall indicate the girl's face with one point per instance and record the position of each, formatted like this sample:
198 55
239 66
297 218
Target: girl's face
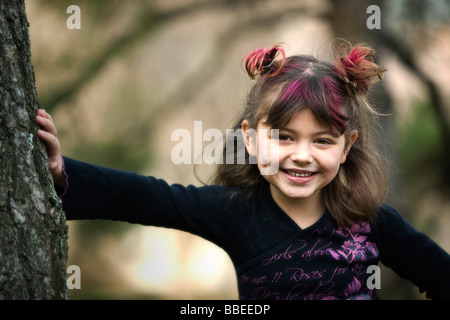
308 156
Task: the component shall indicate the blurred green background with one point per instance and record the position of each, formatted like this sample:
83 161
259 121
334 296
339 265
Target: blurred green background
137 70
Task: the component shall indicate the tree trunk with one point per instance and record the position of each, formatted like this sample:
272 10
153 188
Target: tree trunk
33 229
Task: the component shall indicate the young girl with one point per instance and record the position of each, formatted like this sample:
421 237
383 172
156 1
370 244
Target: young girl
310 229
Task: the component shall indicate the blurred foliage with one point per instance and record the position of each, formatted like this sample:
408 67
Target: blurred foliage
420 142
431 13
116 152
101 9
89 231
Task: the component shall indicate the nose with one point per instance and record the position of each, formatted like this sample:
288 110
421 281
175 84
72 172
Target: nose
302 153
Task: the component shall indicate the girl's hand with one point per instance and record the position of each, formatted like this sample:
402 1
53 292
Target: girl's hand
48 135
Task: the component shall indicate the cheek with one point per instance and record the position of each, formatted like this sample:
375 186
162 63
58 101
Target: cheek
268 150
268 155
330 162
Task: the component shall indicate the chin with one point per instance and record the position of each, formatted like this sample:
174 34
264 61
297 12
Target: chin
296 194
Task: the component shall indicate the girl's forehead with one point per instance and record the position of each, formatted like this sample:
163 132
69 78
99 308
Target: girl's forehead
302 120
310 94
304 116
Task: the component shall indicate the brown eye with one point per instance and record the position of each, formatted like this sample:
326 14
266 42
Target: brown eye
323 141
284 137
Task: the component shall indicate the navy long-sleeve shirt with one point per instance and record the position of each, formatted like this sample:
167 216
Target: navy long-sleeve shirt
274 258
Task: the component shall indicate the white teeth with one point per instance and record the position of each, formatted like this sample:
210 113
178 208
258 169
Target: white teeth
299 174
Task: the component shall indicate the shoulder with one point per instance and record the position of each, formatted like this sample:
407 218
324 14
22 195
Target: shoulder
390 229
411 253
388 210
395 236
387 217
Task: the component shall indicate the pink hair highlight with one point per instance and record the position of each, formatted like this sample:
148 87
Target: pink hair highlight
331 96
334 98
358 67
262 58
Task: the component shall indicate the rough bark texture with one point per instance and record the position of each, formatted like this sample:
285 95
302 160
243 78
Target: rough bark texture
33 230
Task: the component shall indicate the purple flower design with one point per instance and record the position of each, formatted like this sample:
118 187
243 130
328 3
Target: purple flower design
352 292
352 288
356 247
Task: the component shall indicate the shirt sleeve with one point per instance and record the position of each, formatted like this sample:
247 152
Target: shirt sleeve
96 192
412 254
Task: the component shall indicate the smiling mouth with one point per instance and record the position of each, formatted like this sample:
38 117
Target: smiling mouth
299 173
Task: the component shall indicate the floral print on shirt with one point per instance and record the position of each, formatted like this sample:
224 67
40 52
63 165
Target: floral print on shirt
356 248
328 263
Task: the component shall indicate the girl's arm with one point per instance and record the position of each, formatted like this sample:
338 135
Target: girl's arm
412 254
96 192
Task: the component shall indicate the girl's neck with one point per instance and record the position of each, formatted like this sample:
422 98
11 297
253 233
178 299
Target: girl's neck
304 212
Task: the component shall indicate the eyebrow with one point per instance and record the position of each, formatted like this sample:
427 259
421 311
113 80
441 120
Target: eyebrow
318 133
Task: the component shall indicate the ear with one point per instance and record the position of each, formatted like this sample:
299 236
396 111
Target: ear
349 144
248 134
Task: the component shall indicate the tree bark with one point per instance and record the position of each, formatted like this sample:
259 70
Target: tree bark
33 229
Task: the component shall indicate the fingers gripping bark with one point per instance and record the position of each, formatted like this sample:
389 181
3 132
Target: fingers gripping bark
48 134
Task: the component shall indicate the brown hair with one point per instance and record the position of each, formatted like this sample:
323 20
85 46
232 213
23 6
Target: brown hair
337 95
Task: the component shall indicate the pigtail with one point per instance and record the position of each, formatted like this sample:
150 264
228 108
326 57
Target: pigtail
262 61
358 68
